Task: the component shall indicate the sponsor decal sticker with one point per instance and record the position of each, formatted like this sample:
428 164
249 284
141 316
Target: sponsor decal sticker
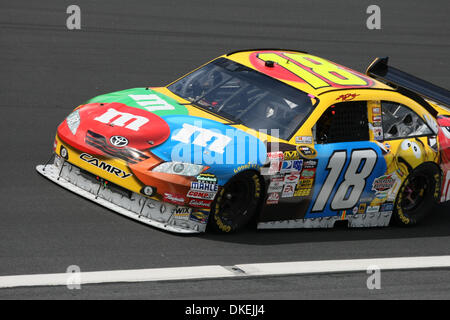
376 118
303 140
302 192
201 194
288 191
310 164
291 166
306 152
104 166
362 208
198 203
199 217
388 206
308 174
292 177
275 160
204 186
305 184
275 167
383 183
246 166
207 177
291 155
386 186
275 155
174 198
377 133
276 185
347 96
373 209
181 213
273 198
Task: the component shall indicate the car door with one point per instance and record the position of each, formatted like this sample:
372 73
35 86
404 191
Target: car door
349 161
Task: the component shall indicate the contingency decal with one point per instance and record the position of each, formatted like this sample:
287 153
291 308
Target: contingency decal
143 98
290 177
345 174
226 150
302 67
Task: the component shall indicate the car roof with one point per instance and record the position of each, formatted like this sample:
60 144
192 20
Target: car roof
304 71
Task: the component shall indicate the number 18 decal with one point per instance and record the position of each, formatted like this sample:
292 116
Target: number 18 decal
362 163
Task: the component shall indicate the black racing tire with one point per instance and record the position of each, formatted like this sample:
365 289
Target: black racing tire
236 203
416 197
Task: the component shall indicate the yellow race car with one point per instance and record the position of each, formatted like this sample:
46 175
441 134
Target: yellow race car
280 138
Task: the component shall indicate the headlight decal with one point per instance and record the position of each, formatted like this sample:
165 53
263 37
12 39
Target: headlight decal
179 168
73 121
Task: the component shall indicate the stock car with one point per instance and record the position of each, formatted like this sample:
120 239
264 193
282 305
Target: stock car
268 137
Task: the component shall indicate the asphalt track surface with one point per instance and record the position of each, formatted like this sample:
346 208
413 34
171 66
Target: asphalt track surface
47 70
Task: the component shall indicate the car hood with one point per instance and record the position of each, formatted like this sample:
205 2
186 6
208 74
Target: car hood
140 120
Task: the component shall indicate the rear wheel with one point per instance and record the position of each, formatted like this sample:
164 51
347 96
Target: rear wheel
416 196
236 203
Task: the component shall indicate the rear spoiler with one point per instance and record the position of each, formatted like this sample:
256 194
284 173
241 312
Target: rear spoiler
407 83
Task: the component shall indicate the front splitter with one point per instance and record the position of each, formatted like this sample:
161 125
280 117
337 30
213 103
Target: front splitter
151 212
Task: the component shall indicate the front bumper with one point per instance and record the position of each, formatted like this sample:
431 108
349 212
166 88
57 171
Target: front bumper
158 214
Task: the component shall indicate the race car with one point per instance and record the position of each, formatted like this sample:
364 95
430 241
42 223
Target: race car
269 137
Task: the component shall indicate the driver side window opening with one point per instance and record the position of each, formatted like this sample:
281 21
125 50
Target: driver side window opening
343 122
400 122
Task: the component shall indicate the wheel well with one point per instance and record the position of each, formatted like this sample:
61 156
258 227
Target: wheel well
438 169
262 190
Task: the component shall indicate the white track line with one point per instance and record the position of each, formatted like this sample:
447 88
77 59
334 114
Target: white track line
141 275
218 272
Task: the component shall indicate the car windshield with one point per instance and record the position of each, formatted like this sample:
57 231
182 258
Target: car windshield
246 96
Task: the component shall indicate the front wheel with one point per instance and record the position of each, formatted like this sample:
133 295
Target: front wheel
236 203
415 199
